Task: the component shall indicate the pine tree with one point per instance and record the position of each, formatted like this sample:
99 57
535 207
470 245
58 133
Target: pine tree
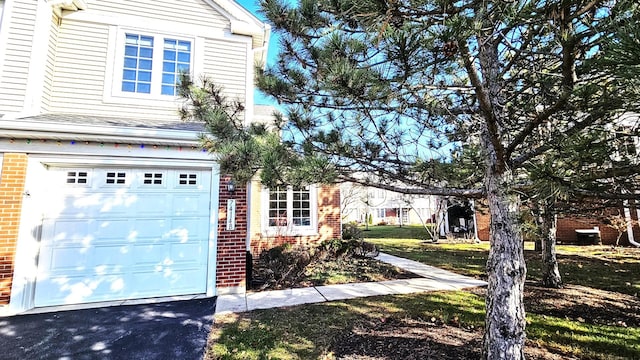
394 88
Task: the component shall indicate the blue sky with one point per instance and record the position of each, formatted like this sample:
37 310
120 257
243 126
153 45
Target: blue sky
252 6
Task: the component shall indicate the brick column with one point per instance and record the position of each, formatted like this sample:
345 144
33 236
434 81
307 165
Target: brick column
14 172
329 217
231 261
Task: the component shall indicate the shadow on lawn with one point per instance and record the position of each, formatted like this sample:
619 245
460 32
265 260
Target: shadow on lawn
438 325
595 272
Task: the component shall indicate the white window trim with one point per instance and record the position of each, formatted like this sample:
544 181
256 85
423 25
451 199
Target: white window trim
290 230
115 63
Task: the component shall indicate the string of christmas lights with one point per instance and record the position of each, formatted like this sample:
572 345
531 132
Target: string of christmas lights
115 145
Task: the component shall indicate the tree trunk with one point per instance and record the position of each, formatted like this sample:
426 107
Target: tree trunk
550 274
505 321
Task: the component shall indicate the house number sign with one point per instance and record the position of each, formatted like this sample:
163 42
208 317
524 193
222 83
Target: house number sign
231 214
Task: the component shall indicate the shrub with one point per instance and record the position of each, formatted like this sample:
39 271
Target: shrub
336 249
351 231
283 265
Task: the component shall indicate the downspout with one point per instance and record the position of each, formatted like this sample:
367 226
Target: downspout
627 217
475 222
249 256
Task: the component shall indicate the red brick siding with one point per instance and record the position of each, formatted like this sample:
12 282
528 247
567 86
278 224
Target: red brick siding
329 226
231 259
14 171
483 220
566 227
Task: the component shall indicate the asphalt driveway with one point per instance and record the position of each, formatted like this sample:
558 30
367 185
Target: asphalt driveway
172 330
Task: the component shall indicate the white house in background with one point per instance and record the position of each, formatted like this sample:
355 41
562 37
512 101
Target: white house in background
378 206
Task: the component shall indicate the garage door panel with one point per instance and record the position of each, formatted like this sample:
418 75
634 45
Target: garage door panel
153 204
85 205
187 253
66 230
124 234
190 205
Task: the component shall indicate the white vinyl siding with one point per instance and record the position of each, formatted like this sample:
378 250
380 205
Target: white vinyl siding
50 64
226 64
1 11
80 67
86 72
196 12
15 68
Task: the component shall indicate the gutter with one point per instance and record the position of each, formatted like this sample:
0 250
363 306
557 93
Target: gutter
117 134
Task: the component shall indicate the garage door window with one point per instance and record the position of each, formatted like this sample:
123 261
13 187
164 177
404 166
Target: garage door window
77 177
116 177
153 178
186 179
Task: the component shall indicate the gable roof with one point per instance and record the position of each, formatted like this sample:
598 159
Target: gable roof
245 23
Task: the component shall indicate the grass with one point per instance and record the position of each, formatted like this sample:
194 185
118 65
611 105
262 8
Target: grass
396 232
315 331
601 267
310 331
397 327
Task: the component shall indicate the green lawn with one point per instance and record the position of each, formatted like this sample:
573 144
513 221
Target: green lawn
396 232
449 324
601 267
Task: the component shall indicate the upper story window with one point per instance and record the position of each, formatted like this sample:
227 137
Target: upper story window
175 60
138 61
151 64
291 210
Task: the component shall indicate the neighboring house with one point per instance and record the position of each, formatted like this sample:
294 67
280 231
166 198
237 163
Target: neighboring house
361 204
105 194
609 223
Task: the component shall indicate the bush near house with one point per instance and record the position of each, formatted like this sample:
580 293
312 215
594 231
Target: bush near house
332 261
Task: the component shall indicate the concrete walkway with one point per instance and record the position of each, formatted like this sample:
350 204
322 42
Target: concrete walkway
432 279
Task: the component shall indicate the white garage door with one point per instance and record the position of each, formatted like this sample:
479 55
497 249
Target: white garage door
123 233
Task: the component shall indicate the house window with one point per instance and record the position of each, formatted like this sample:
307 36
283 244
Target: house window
301 207
293 209
381 213
278 207
138 61
405 216
152 64
175 60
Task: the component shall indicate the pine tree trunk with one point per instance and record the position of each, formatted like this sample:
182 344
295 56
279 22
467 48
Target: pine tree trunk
550 274
505 319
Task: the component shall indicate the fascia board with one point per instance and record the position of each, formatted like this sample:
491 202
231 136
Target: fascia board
115 133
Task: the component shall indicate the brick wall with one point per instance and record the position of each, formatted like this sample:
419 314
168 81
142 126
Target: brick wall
231 260
567 230
329 226
483 220
566 227
14 171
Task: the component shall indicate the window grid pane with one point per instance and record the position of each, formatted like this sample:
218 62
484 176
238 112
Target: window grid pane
176 59
136 76
278 207
301 207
